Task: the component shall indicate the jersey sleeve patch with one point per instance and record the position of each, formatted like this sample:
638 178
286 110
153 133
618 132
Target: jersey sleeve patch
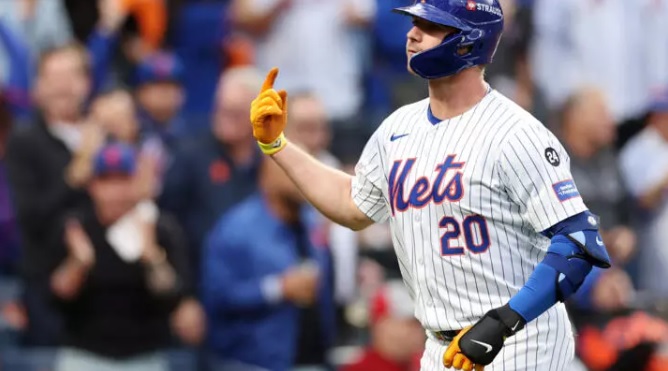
565 190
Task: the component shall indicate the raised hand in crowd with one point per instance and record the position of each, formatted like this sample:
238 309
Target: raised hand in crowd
70 276
160 275
356 14
80 169
28 8
652 198
147 177
613 291
151 17
300 284
113 14
14 314
189 322
621 243
255 21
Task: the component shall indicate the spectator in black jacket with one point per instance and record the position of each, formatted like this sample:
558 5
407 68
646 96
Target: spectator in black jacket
124 274
37 158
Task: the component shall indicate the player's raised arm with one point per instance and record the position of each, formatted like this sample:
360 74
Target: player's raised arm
328 189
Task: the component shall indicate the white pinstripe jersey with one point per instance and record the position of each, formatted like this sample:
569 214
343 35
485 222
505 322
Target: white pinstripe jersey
467 199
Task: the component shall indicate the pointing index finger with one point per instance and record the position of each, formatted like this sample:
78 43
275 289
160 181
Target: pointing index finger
269 81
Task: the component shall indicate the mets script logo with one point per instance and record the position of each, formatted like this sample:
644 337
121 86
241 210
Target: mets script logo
447 185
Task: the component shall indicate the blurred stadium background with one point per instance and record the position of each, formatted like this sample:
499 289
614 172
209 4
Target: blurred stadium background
173 79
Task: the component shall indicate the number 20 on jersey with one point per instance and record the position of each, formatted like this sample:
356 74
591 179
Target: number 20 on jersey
476 235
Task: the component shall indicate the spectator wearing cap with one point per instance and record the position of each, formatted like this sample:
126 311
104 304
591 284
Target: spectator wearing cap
644 163
397 338
160 96
214 171
115 113
121 276
268 289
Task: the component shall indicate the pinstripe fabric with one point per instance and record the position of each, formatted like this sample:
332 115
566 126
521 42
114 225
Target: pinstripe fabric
468 238
555 353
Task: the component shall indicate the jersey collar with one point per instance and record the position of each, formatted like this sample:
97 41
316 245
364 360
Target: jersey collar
435 120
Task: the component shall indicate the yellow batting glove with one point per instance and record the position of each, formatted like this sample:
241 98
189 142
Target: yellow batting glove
269 115
454 358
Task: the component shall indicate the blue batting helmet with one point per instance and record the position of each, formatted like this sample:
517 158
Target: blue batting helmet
479 24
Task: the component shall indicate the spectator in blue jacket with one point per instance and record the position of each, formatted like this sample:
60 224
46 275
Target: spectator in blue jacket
267 283
214 171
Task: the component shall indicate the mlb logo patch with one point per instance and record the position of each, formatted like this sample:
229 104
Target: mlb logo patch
565 190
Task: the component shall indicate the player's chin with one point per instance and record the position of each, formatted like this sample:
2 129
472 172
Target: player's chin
410 70
409 55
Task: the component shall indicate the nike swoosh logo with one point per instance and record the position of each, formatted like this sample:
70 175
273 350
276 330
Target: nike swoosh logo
515 327
395 137
488 348
599 241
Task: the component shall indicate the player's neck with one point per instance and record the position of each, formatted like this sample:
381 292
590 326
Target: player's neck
453 95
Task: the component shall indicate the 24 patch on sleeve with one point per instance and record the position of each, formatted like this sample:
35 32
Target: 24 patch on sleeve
565 190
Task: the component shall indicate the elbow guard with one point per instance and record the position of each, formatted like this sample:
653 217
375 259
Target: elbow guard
576 248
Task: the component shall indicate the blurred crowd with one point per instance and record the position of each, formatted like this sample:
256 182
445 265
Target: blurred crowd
142 229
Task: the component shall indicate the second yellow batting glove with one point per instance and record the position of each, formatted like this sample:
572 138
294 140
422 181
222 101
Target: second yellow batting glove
454 357
476 346
269 115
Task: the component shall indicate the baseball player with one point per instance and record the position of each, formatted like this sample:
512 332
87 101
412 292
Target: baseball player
488 226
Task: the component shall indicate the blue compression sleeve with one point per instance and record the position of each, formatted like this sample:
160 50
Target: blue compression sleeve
540 291
576 247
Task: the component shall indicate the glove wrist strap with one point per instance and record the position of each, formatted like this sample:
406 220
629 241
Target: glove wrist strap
275 146
511 319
